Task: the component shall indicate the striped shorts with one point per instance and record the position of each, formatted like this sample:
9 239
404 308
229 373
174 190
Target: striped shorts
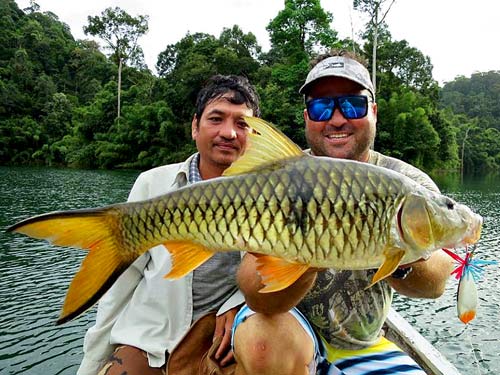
383 358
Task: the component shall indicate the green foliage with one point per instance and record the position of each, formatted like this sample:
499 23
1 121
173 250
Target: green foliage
402 66
300 30
88 70
475 104
405 130
19 139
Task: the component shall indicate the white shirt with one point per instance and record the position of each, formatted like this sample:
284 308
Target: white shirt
142 308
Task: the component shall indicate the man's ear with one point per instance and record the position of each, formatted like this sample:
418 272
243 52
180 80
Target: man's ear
306 116
375 109
194 127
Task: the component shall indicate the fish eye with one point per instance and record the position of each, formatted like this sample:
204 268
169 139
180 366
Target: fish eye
450 204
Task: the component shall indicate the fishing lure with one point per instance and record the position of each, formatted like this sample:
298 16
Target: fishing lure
468 271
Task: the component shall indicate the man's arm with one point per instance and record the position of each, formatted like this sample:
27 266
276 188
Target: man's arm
249 282
427 278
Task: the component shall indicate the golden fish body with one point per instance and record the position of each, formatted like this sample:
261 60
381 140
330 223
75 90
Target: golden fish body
317 211
297 210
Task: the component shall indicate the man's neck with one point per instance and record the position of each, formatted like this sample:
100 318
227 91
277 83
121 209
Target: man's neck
208 171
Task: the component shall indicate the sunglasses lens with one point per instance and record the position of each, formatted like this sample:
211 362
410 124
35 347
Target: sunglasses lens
320 109
353 107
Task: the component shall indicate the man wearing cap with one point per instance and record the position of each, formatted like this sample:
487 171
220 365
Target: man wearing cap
328 322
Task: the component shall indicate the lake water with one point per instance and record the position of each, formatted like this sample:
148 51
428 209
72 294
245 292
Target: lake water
34 276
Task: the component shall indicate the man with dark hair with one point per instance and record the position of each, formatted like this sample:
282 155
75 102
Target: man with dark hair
328 321
143 317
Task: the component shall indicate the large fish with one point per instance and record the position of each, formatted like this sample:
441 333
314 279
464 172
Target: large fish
296 210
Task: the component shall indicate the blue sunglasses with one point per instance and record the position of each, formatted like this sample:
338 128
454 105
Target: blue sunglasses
351 106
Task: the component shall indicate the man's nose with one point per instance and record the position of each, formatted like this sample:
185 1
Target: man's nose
337 119
228 130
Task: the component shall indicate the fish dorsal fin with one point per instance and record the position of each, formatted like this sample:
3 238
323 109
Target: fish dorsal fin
266 144
277 273
186 256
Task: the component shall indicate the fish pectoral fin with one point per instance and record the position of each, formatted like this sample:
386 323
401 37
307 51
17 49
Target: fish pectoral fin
277 273
392 260
266 145
186 256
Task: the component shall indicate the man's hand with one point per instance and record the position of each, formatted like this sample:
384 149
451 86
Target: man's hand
428 277
223 324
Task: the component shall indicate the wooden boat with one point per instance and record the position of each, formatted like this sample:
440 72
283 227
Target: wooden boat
399 331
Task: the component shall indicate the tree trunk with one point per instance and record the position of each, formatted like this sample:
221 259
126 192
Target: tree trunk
374 51
119 86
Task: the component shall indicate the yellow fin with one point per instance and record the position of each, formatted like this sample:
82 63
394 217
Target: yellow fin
392 260
266 144
96 230
98 272
277 273
186 256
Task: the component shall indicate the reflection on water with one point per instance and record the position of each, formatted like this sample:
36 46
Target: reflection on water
35 276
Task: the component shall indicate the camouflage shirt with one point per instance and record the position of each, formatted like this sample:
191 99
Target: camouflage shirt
338 306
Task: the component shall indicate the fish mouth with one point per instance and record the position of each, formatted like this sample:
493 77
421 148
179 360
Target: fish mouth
474 232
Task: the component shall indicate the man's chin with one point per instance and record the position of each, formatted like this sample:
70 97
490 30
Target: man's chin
340 152
227 159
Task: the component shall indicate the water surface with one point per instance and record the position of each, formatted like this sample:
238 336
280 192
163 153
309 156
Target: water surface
35 276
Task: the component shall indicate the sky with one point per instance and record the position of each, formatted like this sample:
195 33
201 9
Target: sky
460 37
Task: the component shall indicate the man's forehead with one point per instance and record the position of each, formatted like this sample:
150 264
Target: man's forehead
224 104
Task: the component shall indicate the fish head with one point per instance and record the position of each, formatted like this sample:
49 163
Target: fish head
430 221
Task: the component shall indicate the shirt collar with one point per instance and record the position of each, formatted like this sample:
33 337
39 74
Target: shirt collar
194 171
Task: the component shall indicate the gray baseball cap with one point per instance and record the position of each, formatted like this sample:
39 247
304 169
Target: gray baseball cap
339 66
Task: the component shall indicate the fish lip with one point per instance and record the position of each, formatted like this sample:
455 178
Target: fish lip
474 233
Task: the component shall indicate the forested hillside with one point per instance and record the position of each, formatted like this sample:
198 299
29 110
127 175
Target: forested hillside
475 103
59 96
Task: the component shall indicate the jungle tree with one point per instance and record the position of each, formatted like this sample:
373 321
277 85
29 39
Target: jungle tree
376 11
121 32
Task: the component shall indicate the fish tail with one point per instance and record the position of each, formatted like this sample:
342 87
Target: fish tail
97 230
